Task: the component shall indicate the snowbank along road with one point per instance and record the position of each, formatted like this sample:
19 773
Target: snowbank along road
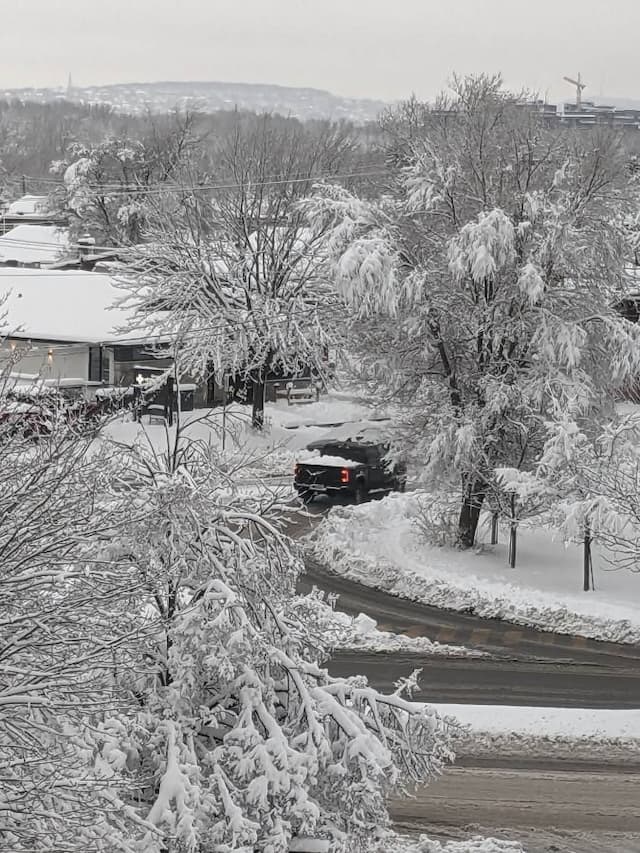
528 667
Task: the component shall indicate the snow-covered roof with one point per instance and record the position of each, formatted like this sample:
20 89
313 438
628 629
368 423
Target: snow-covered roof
33 244
60 305
28 205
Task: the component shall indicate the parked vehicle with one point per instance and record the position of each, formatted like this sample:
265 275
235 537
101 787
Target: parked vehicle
348 469
32 413
28 420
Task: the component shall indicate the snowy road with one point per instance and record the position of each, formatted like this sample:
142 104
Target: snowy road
529 667
553 809
401 615
497 682
549 801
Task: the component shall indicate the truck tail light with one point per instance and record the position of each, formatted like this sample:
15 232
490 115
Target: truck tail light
344 475
296 470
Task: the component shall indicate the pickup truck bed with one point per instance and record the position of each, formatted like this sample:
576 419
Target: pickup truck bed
346 470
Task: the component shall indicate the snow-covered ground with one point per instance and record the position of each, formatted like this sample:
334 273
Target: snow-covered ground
570 735
288 429
578 723
361 632
380 544
475 844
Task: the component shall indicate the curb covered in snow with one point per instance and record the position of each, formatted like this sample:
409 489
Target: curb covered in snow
331 543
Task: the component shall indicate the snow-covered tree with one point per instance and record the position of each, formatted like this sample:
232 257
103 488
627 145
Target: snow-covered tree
594 478
243 739
483 281
65 631
236 268
106 184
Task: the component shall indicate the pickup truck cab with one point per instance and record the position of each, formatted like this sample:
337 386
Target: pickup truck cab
347 469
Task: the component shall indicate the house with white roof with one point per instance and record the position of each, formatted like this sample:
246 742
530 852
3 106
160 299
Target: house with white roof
32 210
28 205
58 321
33 245
74 327
69 326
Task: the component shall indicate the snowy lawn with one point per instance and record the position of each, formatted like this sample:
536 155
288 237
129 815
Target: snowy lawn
548 734
574 723
380 544
288 429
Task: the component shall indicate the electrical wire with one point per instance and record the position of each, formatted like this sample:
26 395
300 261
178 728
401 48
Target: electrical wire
106 190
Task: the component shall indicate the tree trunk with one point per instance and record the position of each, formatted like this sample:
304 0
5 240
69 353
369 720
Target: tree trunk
513 540
494 528
472 498
513 534
257 410
587 565
259 388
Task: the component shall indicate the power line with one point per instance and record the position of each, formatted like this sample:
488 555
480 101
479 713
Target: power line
194 188
228 182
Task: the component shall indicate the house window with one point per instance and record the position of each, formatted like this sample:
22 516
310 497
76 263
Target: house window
105 368
95 365
99 365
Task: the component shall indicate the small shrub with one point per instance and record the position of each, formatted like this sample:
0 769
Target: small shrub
437 519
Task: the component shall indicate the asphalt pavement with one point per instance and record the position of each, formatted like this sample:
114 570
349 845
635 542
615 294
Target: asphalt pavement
560 805
550 809
523 666
495 636
488 681
548 804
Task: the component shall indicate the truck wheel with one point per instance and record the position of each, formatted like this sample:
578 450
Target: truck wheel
360 494
306 497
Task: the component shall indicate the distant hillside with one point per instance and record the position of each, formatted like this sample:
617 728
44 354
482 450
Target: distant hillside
212 96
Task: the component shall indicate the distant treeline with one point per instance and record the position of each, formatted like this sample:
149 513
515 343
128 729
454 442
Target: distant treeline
33 135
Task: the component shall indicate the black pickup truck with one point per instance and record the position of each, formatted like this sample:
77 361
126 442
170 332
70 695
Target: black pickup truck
347 469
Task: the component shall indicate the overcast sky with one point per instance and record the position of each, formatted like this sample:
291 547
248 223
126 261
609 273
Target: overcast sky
372 48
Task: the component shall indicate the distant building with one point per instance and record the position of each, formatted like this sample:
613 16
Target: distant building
28 205
68 327
32 210
590 114
33 245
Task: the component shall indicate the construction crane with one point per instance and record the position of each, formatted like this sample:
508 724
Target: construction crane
579 87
